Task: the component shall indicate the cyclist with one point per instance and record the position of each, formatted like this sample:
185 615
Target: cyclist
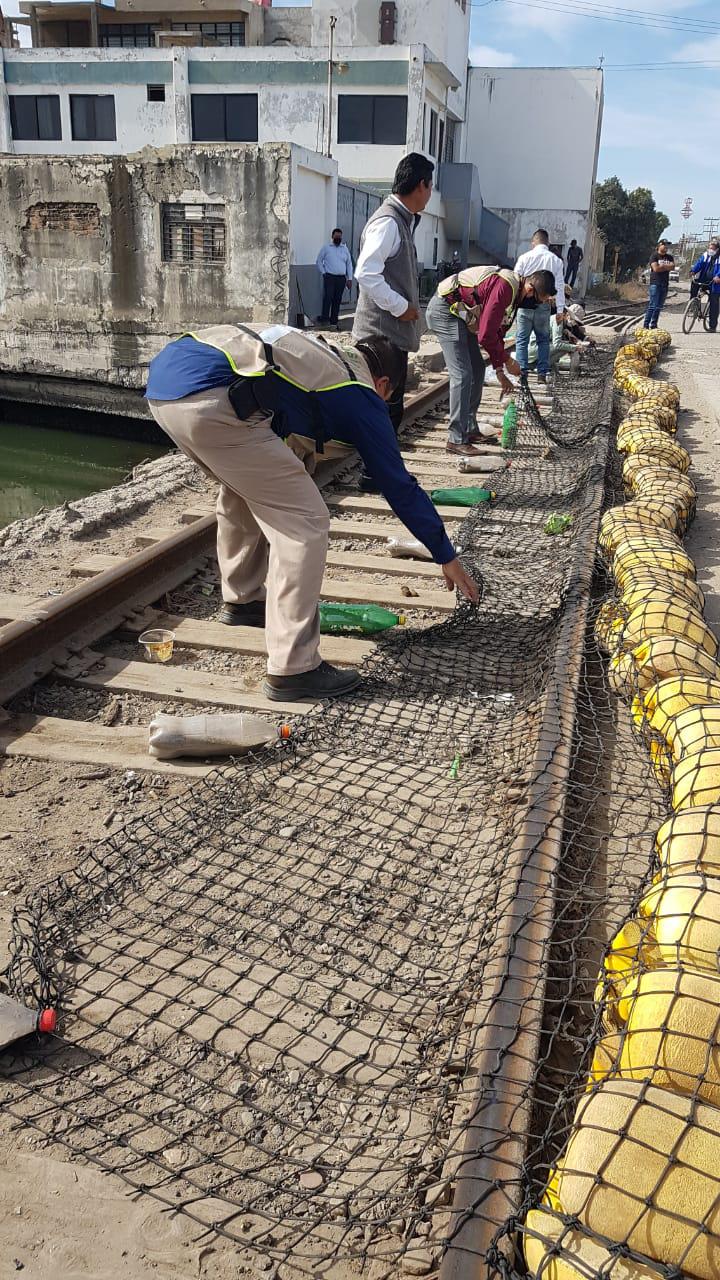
706 275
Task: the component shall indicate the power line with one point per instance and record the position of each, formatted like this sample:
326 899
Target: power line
645 19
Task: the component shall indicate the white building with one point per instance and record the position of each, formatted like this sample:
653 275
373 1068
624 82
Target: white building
534 135
398 84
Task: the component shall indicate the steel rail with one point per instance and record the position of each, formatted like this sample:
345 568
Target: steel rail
57 629
495 1105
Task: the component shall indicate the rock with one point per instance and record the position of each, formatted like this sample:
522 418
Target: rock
312 1180
5 835
437 1194
174 1155
287 833
418 1260
112 712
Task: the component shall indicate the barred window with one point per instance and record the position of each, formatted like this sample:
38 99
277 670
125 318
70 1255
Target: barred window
127 35
193 233
220 33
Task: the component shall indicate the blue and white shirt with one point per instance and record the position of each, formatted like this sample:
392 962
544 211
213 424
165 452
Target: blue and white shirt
335 260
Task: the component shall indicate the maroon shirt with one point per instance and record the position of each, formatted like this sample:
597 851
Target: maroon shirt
494 296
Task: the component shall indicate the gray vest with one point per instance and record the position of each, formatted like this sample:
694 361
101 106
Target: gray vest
401 273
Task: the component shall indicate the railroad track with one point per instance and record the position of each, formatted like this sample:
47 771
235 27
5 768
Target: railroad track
611 320
54 636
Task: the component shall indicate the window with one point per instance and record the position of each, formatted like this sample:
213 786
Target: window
441 139
222 33
193 233
450 136
92 116
377 118
432 144
127 35
35 117
156 93
224 117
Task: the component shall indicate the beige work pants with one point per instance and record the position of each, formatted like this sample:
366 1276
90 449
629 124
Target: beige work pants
272 523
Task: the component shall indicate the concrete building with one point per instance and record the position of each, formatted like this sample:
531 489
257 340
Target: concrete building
398 83
533 133
106 257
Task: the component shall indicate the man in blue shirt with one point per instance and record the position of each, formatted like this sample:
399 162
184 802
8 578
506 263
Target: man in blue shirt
272 522
706 271
335 265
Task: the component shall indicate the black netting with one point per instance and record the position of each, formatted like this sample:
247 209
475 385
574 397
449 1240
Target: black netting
336 1002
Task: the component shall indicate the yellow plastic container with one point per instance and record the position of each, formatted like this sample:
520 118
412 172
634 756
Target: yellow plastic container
642 1167
683 913
669 697
689 842
555 1250
672 1031
695 780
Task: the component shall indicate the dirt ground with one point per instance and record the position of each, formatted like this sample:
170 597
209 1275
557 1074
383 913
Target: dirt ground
63 1221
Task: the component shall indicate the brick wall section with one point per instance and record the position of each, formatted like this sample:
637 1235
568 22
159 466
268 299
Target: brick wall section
81 218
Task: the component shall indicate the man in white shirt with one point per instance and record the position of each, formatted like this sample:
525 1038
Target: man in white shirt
533 318
335 266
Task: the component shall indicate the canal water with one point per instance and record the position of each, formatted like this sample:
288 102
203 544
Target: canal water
42 467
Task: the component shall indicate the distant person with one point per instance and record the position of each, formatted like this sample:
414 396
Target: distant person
387 273
661 264
534 316
706 272
335 265
575 256
473 309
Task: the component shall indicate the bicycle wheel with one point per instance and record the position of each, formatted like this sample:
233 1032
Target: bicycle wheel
706 315
690 315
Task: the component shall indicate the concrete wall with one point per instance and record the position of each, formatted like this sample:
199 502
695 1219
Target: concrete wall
534 134
441 25
84 291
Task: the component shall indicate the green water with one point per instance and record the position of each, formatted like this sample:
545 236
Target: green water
41 467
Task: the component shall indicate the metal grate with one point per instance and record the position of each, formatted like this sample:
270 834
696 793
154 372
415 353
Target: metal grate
193 233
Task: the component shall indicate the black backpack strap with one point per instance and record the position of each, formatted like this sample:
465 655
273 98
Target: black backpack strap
337 352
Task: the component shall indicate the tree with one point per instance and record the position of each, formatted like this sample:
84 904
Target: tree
630 222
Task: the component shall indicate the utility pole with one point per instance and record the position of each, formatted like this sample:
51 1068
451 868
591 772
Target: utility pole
331 51
711 226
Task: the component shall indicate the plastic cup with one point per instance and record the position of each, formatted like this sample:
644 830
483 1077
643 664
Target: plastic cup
158 644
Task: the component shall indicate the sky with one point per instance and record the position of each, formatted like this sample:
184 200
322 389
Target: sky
661 127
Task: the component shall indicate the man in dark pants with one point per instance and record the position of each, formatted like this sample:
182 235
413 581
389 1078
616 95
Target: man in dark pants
706 271
387 272
575 256
335 265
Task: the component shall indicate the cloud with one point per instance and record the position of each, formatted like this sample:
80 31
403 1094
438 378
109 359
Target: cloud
555 23
707 50
483 55
690 134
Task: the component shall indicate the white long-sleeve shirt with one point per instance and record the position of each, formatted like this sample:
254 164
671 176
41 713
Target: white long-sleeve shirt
540 258
382 241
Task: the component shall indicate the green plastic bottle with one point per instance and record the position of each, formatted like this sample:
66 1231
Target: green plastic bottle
335 619
467 496
508 438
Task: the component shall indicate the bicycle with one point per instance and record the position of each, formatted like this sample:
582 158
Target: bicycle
697 309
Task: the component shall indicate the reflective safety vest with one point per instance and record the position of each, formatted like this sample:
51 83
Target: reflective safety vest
305 361
471 278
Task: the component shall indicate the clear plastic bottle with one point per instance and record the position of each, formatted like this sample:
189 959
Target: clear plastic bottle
367 618
233 734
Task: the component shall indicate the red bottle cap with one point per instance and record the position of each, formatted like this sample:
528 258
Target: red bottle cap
47 1021
285 732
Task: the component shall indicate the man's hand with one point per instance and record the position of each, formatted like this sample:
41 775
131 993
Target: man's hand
513 367
456 577
506 386
348 284
409 314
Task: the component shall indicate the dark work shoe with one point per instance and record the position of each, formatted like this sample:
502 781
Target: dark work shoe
243 615
542 378
368 485
325 681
